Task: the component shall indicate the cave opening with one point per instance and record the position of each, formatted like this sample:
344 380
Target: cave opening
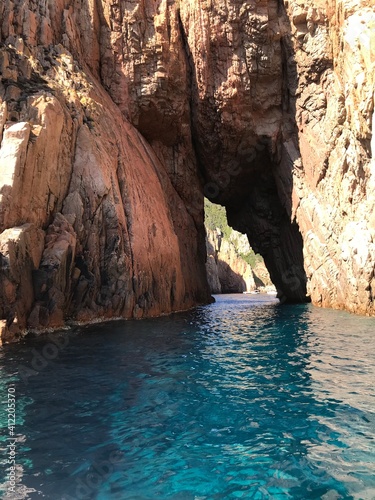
256 192
232 266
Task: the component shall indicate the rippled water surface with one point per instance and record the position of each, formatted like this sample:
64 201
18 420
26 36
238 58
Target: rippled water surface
240 399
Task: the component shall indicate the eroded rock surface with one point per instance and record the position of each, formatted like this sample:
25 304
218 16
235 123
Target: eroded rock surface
115 118
81 190
227 271
225 98
334 172
283 114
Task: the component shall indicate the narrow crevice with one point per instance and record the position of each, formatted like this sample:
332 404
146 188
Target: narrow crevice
192 87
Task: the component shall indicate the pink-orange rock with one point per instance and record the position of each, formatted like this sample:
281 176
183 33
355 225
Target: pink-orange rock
20 253
81 175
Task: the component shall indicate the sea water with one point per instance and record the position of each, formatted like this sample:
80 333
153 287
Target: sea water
244 398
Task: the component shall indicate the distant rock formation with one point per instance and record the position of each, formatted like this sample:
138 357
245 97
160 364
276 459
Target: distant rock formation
227 272
227 269
116 118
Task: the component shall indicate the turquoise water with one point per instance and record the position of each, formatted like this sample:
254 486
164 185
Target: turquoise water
240 399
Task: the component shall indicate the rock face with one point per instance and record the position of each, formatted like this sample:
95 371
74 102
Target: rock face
333 168
283 114
117 117
227 266
91 224
227 272
238 64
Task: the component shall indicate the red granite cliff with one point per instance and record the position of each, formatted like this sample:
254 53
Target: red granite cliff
117 117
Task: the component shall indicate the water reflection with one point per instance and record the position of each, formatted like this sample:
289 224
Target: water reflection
300 354
240 399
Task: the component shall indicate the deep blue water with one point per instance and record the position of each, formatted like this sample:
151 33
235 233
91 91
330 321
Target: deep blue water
240 399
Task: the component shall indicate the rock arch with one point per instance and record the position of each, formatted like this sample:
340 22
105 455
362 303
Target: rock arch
117 117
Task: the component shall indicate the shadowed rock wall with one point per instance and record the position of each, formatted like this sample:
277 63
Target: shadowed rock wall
215 70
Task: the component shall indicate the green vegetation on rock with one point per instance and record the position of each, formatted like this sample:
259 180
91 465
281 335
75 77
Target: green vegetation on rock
216 218
251 258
